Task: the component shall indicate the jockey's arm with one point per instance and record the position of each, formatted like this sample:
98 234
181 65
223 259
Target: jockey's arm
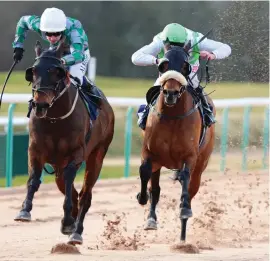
76 55
76 49
26 23
147 55
220 50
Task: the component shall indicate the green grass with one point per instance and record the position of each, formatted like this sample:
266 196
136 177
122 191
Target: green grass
106 173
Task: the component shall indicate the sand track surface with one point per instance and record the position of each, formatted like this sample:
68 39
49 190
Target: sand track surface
230 222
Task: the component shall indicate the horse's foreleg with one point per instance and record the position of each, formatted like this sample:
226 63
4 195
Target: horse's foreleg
185 207
145 174
67 224
33 183
93 168
60 182
154 198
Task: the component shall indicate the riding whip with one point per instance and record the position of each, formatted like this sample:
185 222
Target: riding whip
9 73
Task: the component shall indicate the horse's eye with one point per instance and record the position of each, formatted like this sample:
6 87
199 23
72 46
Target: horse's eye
176 93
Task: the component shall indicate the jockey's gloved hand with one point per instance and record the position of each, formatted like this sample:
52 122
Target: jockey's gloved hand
207 55
18 54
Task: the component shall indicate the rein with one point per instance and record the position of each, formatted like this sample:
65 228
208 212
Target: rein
56 97
53 120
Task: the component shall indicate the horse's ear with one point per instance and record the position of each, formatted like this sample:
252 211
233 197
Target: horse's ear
61 47
186 69
61 72
29 74
163 65
167 47
38 49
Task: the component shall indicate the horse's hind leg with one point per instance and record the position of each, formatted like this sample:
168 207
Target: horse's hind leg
154 190
33 183
60 182
93 168
195 180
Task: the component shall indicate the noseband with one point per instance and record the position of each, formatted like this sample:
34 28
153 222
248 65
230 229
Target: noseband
176 93
176 117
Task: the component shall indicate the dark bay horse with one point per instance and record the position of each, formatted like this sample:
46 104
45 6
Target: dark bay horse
61 134
175 138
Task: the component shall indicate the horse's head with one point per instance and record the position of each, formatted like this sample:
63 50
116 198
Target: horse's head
175 70
47 76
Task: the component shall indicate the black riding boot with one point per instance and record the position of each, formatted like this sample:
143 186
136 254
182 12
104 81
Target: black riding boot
87 86
209 117
91 91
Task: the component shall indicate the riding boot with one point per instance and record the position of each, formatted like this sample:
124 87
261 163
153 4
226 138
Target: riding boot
143 117
209 117
87 86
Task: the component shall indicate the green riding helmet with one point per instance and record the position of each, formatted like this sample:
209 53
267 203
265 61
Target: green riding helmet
174 33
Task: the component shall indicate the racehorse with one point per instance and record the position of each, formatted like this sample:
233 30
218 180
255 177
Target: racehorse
62 133
175 137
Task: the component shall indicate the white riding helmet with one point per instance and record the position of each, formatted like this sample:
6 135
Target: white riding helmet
53 20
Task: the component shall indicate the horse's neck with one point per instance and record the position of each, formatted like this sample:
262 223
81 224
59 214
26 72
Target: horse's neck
183 105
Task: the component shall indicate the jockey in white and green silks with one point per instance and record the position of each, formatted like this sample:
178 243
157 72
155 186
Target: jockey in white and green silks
51 26
176 34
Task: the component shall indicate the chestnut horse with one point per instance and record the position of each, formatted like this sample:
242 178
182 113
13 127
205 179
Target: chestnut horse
175 138
62 134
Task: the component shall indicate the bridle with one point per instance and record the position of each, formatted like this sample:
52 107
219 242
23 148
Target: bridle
59 92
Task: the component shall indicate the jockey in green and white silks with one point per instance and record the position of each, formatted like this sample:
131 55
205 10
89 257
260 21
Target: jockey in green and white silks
176 34
51 26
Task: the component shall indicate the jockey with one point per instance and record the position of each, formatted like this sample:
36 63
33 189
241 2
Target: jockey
51 26
177 35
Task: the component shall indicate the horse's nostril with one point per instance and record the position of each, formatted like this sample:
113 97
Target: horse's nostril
40 105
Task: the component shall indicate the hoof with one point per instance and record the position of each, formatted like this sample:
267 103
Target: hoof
23 216
151 224
75 239
185 213
142 200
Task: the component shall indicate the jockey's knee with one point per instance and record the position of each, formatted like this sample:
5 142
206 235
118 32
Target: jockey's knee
78 80
76 72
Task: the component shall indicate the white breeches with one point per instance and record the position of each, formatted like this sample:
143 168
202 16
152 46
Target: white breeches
78 70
